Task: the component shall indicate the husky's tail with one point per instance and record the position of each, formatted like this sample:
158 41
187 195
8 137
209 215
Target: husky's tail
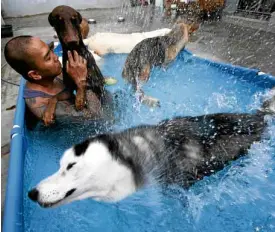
268 107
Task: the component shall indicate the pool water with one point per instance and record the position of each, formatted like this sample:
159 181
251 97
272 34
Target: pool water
239 198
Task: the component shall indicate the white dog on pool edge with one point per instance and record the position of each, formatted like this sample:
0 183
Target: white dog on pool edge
101 44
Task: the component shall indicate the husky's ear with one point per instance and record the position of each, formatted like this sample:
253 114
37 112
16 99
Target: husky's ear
109 141
81 148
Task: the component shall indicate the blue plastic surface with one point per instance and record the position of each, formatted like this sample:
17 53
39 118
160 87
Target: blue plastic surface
13 218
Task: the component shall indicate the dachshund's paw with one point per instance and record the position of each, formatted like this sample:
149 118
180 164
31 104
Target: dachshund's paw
79 103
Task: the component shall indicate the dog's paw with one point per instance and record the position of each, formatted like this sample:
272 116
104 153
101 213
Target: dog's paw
150 101
79 102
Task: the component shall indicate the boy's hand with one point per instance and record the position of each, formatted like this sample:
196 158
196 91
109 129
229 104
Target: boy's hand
77 69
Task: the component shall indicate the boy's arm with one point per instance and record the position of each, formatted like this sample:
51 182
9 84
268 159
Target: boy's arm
37 106
63 108
49 112
44 108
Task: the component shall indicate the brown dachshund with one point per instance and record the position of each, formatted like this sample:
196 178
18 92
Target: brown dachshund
66 22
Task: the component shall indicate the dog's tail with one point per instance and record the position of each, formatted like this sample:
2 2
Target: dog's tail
191 26
268 106
188 29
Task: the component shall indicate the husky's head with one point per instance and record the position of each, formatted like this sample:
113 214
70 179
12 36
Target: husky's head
93 169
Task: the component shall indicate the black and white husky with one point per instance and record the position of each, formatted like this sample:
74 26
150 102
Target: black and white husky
183 150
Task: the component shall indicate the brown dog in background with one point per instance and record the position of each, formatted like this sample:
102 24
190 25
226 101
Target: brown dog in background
84 28
157 51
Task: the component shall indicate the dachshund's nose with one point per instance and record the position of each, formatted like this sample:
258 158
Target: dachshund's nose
33 194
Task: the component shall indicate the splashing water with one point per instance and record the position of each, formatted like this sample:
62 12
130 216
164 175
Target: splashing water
239 198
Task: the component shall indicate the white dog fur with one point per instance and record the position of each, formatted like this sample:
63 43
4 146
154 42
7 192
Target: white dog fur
104 43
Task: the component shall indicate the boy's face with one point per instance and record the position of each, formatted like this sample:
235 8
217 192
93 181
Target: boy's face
46 63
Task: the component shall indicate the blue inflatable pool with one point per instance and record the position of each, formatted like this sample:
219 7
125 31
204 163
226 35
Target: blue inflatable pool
239 198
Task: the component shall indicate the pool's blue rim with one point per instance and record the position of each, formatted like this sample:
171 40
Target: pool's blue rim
13 214
230 66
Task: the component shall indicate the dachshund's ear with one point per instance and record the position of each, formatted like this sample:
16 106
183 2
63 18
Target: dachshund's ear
79 17
51 19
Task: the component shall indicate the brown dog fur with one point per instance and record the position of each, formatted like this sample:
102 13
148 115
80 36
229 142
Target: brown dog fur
84 28
67 23
157 51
